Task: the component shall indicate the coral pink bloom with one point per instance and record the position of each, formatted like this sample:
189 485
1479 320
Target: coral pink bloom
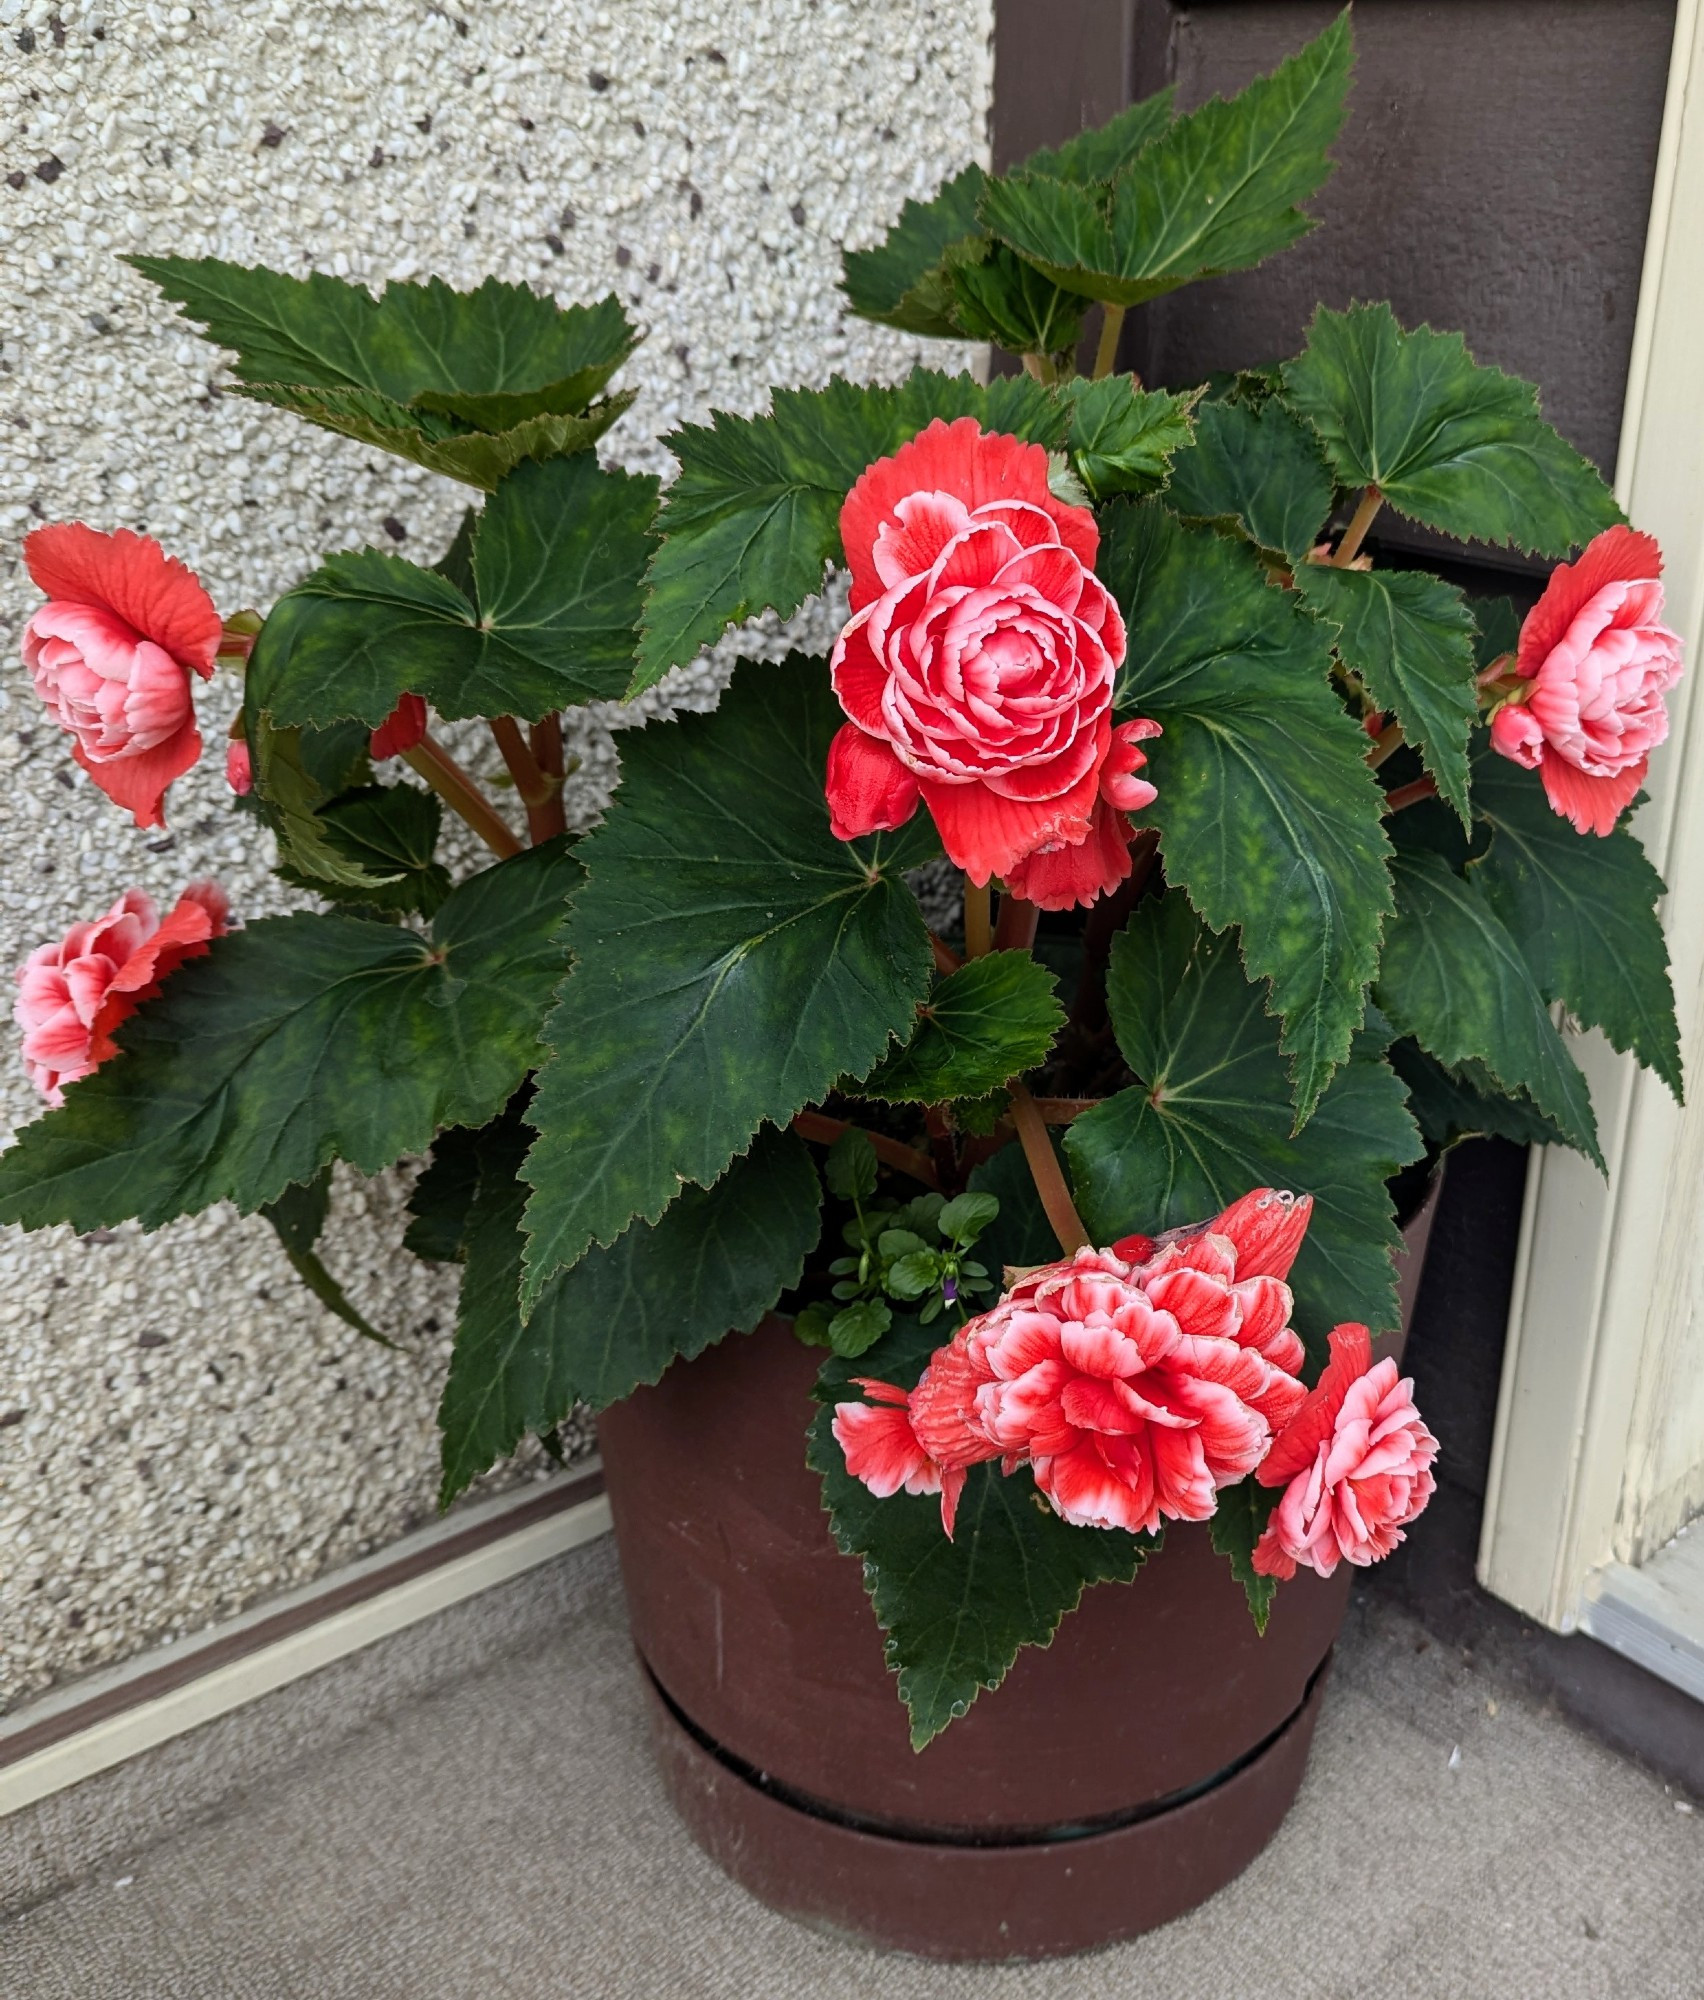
72 995
400 730
111 653
1265 1226
1059 877
1355 1463
1596 660
1135 1396
924 1440
239 768
977 668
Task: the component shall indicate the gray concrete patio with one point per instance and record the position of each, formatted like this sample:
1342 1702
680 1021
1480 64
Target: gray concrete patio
501 1833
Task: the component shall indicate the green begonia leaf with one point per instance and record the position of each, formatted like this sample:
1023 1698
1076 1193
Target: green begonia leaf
477 458
1409 637
956 1613
299 1040
298 1216
1454 979
1583 912
494 356
1259 466
1467 1103
901 282
732 959
714 1263
1106 150
390 832
1123 438
1209 1119
992 1019
996 296
1268 815
754 517
558 557
1216 191
1238 1522
442 1198
1458 447
296 773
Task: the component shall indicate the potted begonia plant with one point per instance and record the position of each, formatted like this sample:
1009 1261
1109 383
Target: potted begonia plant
1064 1227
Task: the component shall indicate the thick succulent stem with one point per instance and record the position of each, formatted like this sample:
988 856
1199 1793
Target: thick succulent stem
1044 1168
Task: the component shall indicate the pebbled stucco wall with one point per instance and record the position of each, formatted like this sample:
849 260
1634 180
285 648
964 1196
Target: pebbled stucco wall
181 1429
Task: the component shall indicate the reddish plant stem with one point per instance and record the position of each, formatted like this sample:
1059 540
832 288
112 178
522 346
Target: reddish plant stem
1385 744
1062 1110
946 959
1410 795
1356 532
540 793
1044 1168
459 792
1015 930
824 1130
547 751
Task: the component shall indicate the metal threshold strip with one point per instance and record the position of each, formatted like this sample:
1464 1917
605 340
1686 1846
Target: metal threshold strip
1655 1614
71 1734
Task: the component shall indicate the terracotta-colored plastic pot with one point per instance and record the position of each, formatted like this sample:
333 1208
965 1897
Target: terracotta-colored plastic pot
1115 1779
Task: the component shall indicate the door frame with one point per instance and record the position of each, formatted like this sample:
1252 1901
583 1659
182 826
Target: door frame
1610 1272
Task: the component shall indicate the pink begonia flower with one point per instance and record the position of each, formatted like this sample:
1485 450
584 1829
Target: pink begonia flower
924 1440
111 653
1596 660
1133 1391
72 995
239 768
401 730
1355 1463
977 668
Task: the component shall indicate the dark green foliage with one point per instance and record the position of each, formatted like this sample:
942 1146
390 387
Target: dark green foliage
754 517
298 1216
1260 467
297 1041
714 1263
1238 1523
732 960
1209 1119
557 559
1454 979
468 383
1268 815
1459 447
1219 190
1409 639
1583 912
991 1020
389 833
1124 439
956 1613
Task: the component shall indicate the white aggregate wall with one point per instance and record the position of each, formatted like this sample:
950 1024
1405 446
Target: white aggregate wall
181 1430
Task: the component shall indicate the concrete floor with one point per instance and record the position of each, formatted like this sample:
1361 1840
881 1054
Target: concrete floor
503 1835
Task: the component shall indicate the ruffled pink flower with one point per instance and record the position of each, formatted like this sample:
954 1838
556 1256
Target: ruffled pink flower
921 1441
1355 1463
977 669
1060 877
72 995
1134 1392
1596 661
111 653
401 730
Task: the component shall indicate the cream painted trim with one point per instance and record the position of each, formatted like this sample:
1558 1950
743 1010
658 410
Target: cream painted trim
1605 1270
316 1644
